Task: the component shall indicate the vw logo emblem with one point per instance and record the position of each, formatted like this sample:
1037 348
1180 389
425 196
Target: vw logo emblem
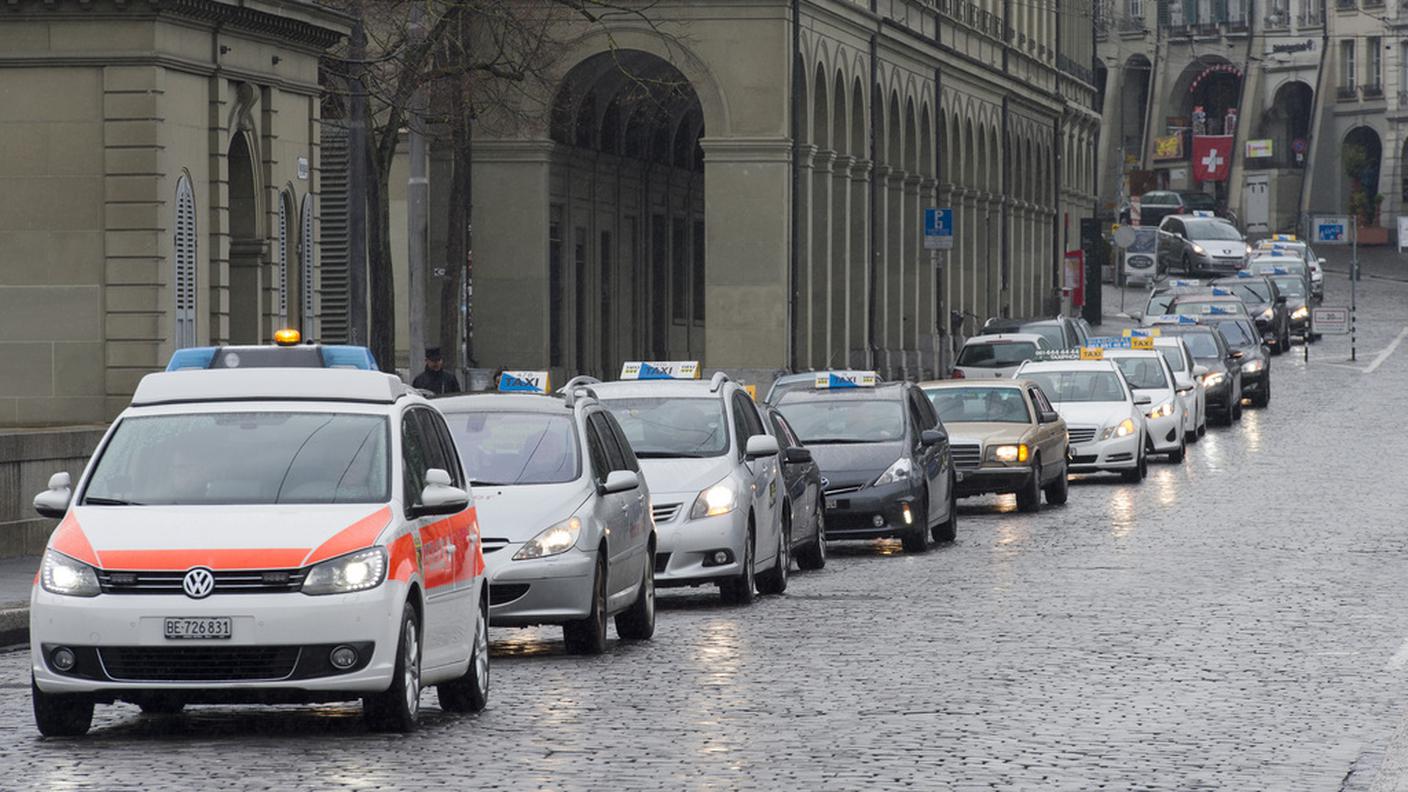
198 583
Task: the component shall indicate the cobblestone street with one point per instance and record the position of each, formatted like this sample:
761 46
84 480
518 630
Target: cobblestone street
1234 623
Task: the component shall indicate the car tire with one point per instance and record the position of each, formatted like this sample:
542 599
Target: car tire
470 693
637 623
1137 473
397 709
813 556
739 590
161 705
1263 400
916 539
947 531
1059 490
1029 496
774 581
588 636
60 714
1187 266
1177 457
1237 411
1286 337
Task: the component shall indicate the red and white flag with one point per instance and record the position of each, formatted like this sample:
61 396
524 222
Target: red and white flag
1212 157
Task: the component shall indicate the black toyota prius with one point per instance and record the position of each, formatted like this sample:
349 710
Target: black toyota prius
884 459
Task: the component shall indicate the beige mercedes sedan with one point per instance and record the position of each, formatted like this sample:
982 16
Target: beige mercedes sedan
1005 438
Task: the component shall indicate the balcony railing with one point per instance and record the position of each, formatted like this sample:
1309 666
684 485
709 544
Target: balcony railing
1309 19
1373 3
1374 91
1278 19
1346 93
1344 5
1128 24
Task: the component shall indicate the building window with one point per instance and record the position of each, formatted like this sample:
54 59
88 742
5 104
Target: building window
184 245
579 283
1136 9
555 290
1374 77
281 277
1347 71
307 262
679 273
698 284
659 263
607 301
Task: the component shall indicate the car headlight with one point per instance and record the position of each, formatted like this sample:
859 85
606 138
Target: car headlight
1253 366
1301 312
63 575
1124 428
1018 452
359 571
1200 250
895 473
1213 378
721 498
555 539
1162 411
1267 315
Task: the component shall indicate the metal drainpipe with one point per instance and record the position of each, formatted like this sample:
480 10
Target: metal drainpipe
794 259
874 219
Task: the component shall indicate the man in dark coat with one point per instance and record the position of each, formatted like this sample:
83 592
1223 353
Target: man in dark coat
435 378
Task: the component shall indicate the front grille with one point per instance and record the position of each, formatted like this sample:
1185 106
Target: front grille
1080 434
967 457
1085 459
267 581
664 512
662 560
199 663
504 593
831 493
492 545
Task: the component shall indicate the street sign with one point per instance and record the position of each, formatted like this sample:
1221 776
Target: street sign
1331 230
1125 236
1402 232
1330 321
938 229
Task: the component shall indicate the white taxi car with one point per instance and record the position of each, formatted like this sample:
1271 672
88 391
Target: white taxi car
997 355
716 485
257 535
1148 374
565 512
1188 375
1104 419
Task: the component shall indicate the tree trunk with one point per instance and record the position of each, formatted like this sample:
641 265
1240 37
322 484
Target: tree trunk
381 283
457 239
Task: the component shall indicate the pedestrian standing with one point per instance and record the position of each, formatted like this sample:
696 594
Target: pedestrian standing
435 378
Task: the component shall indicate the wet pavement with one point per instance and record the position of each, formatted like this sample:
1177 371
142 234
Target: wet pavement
1233 623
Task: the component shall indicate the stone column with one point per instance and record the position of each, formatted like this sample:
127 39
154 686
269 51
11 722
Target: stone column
839 338
860 262
880 257
894 265
820 277
806 244
909 275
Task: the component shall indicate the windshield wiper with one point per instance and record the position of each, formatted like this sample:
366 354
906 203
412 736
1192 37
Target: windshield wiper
837 441
97 501
668 455
478 483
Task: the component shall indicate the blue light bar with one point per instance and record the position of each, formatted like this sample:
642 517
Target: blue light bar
191 358
347 356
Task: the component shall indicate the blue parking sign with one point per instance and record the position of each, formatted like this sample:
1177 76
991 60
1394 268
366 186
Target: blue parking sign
1331 230
938 229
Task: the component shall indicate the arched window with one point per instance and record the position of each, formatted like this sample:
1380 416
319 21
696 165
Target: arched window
281 277
184 280
307 262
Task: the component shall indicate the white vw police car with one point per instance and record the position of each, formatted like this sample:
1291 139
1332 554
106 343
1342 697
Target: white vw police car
1104 418
715 482
262 535
568 537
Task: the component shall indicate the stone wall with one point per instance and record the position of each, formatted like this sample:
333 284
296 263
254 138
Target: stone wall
27 460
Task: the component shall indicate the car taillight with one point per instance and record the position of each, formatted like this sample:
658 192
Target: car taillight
958 374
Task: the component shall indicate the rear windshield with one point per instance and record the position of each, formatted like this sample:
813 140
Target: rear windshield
1199 202
1079 386
1158 199
507 448
997 355
244 458
1142 372
980 405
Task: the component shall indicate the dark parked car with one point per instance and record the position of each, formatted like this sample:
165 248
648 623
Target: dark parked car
1221 368
885 457
1061 332
1265 303
805 503
1252 354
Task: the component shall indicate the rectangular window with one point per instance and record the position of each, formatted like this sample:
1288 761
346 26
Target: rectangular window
1347 73
698 285
632 268
1374 79
1136 9
556 304
607 300
659 267
579 285
679 275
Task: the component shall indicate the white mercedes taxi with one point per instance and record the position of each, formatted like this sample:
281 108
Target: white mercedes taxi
1104 419
262 535
1148 374
716 485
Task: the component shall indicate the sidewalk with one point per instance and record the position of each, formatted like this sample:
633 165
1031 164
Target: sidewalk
1384 263
16 579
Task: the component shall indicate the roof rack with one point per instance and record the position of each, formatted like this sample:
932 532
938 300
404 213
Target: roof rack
571 395
718 381
580 379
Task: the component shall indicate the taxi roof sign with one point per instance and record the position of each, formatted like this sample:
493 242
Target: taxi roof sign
1203 213
1121 342
1174 319
1245 274
836 380
1142 332
1217 310
1218 291
660 370
525 382
1092 353
1180 283
1283 237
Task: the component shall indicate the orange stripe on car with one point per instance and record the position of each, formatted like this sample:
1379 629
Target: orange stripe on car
356 536
217 559
70 540
403 558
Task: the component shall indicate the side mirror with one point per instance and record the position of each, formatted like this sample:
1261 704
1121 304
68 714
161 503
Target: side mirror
53 502
1321 262
796 455
761 445
1184 387
1236 354
1050 417
1281 300
620 481
1200 370
931 437
440 496
1142 401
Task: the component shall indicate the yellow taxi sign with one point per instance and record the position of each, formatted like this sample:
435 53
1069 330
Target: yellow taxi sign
752 391
1143 332
287 337
1092 353
1141 342
660 370
829 380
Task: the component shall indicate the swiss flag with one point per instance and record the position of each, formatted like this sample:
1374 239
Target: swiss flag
1212 157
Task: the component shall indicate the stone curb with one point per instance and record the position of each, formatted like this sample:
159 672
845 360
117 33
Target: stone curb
14 626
